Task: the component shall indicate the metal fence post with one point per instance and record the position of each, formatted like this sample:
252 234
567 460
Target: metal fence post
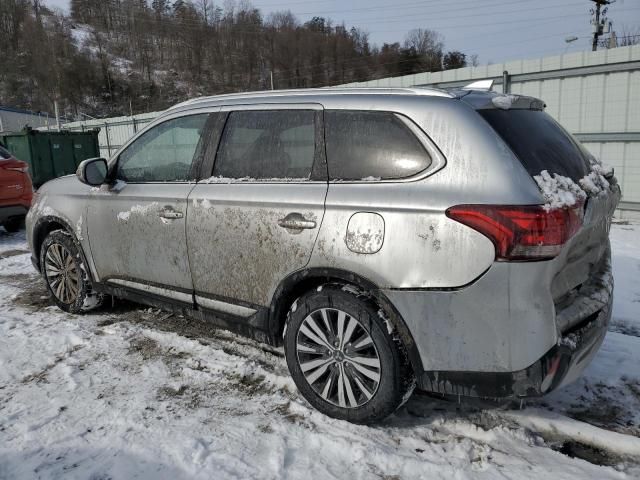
106 131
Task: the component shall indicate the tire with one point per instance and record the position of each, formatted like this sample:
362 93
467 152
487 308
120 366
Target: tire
13 225
368 352
71 289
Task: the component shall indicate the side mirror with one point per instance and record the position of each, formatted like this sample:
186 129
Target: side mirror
92 171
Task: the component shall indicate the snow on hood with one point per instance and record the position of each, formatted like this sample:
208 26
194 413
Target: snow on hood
560 191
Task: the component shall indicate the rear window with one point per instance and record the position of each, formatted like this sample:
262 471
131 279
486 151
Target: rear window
371 145
539 142
267 144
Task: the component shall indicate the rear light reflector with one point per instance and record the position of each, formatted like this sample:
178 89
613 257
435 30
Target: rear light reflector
522 232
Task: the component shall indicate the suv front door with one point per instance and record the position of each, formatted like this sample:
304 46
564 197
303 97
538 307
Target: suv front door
137 227
257 219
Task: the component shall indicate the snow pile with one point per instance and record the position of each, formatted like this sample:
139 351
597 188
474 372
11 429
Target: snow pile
596 182
504 102
560 191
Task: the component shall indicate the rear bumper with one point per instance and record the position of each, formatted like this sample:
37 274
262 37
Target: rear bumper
12 211
504 336
559 366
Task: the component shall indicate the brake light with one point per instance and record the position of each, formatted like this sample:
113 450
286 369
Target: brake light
18 169
14 166
522 232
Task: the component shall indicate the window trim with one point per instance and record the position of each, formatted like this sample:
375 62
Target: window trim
195 165
319 169
438 160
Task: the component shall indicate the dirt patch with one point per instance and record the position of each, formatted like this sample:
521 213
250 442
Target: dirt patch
594 455
146 347
33 295
166 392
12 253
284 410
606 412
624 328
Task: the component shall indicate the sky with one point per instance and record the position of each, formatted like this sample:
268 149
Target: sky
495 30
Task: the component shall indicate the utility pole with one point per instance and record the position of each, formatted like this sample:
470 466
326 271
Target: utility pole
597 26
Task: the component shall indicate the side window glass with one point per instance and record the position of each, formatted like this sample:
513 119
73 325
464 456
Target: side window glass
164 153
267 144
371 145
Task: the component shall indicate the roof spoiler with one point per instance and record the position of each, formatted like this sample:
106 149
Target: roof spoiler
479 85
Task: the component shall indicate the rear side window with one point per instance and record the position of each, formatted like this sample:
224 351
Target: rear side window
371 145
267 144
539 142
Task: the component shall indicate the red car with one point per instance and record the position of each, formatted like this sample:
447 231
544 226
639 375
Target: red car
16 191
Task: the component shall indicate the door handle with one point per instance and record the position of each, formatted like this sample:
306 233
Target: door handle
170 213
295 221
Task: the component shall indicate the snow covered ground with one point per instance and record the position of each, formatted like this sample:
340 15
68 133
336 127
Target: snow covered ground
131 392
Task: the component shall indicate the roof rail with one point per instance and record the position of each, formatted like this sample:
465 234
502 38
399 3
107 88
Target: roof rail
435 92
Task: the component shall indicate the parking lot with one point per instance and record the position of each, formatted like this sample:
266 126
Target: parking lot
133 392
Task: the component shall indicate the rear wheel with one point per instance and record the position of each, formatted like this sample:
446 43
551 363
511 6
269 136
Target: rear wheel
65 274
342 357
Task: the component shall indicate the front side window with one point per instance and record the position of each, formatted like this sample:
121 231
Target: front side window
267 144
372 145
164 153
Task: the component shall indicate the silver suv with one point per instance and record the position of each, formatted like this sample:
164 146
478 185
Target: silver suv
388 238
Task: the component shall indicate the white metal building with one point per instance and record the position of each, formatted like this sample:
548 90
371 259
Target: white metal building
14 120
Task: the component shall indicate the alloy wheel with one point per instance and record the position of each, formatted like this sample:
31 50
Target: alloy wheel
338 358
62 273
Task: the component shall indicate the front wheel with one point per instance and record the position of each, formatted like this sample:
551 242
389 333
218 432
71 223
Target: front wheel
65 274
343 358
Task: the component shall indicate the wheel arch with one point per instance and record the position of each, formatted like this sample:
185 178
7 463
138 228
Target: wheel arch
297 283
50 223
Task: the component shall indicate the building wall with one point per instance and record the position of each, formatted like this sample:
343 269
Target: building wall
12 120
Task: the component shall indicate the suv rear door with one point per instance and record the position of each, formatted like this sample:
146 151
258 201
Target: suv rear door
256 220
540 143
137 228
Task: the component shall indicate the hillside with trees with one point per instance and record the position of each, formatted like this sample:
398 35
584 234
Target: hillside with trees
114 57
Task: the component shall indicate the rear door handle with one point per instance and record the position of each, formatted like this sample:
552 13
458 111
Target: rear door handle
170 213
296 221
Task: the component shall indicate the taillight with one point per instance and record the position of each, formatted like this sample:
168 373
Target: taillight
522 232
14 166
18 169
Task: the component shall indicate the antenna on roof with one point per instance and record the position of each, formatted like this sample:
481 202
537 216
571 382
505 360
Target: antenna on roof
479 85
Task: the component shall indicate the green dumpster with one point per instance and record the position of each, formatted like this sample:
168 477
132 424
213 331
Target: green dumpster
51 154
